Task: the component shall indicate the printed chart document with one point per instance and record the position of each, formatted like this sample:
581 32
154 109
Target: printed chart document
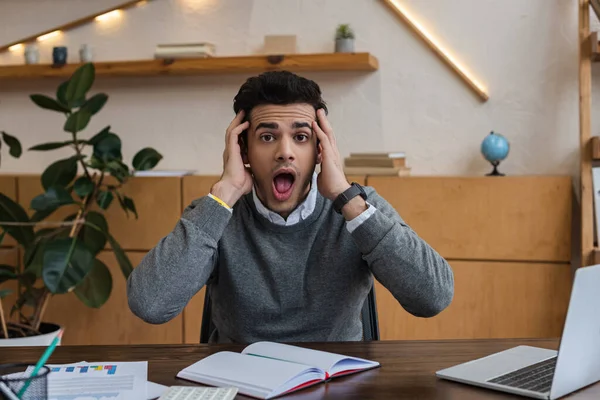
98 381
265 369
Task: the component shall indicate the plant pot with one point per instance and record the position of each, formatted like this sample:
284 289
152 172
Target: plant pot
48 332
344 45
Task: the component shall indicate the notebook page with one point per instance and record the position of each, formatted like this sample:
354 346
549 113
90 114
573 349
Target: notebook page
315 358
255 374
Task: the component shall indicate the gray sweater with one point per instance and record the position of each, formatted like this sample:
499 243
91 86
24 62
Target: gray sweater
298 283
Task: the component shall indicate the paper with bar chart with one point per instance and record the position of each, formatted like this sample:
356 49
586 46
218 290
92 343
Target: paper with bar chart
98 381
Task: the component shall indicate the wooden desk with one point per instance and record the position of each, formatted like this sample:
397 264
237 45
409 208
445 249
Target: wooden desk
407 370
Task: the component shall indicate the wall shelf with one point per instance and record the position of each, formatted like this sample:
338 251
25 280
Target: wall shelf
203 66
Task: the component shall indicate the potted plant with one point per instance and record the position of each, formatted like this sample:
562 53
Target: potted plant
344 39
59 256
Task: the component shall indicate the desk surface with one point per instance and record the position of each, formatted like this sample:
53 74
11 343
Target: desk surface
407 370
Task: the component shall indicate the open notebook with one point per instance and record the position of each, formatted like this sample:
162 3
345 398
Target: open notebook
265 369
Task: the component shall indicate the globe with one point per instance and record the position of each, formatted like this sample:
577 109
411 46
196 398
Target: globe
495 148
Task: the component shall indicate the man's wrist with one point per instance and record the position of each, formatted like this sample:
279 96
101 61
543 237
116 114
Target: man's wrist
354 208
225 192
339 191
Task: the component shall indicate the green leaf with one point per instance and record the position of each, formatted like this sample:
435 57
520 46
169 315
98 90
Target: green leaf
95 289
130 205
118 170
11 211
100 135
108 147
13 144
83 186
104 199
54 197
94 232
51 145
121 257
77 121
5 292
80 82
34 258
61 93
49 103
7 272
42 215
95 104
60 173
66 264
146 159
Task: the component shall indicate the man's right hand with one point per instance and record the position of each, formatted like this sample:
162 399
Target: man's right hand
236 179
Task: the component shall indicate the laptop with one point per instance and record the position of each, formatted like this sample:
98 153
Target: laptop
541 373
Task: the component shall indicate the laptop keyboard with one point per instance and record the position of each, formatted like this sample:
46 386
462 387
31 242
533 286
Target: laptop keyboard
536 377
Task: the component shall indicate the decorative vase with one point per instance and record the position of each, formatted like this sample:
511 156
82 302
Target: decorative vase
86 54
59 56
48 333
344 45
32 54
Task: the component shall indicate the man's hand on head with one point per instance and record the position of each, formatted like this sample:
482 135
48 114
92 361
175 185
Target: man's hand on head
236 179
332 180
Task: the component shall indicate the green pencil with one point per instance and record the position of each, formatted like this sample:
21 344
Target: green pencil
41 362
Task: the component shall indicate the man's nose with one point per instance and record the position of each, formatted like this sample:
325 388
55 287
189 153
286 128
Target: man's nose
285 150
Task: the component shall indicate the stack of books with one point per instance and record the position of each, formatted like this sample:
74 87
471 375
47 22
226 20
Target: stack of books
184 50
393 164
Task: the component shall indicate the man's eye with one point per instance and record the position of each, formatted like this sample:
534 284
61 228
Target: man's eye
267 138
302 138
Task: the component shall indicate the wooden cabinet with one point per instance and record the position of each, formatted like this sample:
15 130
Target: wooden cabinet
508 241
157 201
113 323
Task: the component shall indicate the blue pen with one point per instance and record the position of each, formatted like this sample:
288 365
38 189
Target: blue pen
41 362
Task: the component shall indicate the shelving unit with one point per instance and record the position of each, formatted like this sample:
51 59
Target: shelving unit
589 145
203 66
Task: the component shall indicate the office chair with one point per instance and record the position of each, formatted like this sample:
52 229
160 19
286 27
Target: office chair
369 319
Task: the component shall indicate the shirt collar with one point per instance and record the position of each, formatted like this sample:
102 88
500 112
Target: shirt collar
303 211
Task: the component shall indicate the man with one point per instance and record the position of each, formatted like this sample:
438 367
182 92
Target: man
288 255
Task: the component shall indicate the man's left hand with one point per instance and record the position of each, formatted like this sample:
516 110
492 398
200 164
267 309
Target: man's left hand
332 180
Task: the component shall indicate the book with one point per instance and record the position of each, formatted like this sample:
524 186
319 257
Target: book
163 173
395 154
190 50
265 370
395 171
384 162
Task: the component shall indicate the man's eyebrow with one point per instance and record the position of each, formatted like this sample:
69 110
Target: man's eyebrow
297 125
267 125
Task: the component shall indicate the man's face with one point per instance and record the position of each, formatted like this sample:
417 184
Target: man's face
282 152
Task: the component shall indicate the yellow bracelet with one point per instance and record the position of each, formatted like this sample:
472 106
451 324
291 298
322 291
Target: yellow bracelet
221 202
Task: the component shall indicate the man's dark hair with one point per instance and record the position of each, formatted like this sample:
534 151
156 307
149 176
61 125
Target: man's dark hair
276 87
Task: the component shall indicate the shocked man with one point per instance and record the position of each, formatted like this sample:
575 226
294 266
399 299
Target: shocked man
287 254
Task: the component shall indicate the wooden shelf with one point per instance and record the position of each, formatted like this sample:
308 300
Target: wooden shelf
595 147
204 66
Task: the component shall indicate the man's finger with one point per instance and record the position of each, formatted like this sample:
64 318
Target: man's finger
239 117
235 133
323 138
235 122
324 123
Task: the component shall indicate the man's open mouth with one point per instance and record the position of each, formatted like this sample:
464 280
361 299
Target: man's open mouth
283 183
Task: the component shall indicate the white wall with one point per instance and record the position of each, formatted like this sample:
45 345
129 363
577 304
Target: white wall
525 52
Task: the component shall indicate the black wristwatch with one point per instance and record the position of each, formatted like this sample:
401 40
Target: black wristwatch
343 198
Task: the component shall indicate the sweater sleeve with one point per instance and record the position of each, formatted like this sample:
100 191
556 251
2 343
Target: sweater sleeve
180 264
416 275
